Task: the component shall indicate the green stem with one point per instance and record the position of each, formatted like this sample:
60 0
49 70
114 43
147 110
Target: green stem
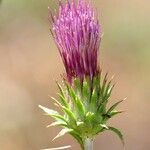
88 144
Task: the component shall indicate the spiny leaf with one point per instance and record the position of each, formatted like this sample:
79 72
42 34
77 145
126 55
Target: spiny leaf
101 108
78 105
63 132
115 112
80 123
96 84
53 114
60 89
80 108
104 126
93 104
89 114
48 111
110 91
60 122
70 115
104 83
85 90
57 102
113 107
89 117
62 96
72 95
67 112
120 135
70 91
63 100
58 148
107 90
77 85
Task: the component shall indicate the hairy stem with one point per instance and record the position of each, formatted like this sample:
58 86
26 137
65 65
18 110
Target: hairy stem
88 144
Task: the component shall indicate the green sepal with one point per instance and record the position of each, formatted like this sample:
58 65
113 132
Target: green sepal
89 117
59 148
113 107
78 138
103 86
109 91
58 123
62 96
114 112
77 86
84 105
93 102
48 111
81 109
53 114
118 133
104 126
60 89
78 106
101 109
85 91
71 116
63 132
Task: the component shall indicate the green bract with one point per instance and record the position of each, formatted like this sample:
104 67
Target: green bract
84 108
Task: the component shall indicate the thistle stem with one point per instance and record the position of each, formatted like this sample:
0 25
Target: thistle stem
88 144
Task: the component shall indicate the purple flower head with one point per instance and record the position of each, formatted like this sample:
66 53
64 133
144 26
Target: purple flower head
76 31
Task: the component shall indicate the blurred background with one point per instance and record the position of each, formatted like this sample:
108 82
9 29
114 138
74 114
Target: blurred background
30 64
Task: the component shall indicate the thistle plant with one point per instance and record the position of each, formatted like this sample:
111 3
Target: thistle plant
84 93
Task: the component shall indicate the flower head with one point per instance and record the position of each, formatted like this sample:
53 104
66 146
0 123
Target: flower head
76 32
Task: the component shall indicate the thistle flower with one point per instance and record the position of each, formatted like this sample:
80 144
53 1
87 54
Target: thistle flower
84 95
76 32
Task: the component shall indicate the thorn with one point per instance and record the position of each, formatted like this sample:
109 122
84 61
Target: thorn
49 96
56 104
102 35
123 111
125 98
112 77
40 106
48 126
58 148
